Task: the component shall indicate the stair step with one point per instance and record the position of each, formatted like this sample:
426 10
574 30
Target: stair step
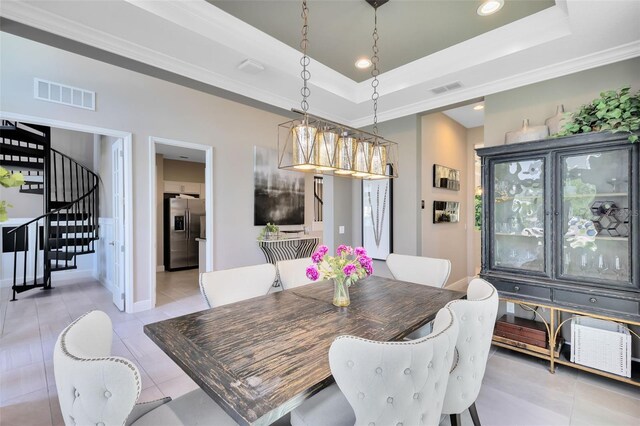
60 255
55 243
55 268
64 216
19 134
38 191
28 181
57 204
21 151
19 288
69 229
21 166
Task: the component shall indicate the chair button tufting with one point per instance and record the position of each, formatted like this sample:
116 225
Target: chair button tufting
350 364
407 371
459 378
430 365
360 395
416 396
468 339
390 400
472 358
77 394
107 394
464 396
378 370
464 318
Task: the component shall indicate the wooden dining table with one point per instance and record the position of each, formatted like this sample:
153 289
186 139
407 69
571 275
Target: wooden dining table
262 357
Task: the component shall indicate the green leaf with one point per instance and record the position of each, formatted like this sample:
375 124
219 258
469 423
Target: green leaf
633 138
586 129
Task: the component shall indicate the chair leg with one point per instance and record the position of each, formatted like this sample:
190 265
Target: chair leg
455 419
474 415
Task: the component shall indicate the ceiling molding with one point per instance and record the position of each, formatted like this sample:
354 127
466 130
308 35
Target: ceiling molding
608 56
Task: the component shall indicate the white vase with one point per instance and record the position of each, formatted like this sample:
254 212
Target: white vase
526 133
557 122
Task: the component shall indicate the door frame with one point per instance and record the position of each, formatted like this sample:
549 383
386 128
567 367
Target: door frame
127 139
208 182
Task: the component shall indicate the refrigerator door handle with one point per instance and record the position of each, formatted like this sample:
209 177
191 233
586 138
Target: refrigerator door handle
187 220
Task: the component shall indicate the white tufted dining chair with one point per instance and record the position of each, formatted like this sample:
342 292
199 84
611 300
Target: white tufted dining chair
293 273
385 383
96 388
233 285
477 317
419 270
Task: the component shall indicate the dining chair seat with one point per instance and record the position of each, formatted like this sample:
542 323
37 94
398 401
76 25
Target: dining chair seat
293 273
233 285
386 383
477 315
97 388
419 269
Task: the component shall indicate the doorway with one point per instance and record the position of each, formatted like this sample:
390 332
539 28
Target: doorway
123 297
166 194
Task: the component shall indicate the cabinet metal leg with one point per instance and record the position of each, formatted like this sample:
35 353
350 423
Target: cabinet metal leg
474 415
455 419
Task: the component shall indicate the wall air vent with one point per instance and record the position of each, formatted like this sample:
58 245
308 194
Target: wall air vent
63 94
446 88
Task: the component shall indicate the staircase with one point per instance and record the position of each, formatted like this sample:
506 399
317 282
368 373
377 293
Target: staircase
68 226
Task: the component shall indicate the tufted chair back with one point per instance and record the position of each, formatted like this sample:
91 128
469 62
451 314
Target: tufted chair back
396 382
233 285
292 273
477 316
419 270
93 386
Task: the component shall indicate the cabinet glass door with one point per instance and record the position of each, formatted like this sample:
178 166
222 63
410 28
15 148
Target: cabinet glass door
595 216
519 215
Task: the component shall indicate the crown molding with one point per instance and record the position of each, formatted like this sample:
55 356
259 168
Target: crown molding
594 60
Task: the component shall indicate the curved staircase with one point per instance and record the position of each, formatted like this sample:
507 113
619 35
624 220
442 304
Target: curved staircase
68 227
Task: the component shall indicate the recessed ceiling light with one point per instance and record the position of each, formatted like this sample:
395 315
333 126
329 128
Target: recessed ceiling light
490 7
478 107
363 63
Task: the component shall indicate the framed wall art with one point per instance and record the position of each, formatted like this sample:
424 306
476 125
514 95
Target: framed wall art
377 217
446 178
278 194
446 211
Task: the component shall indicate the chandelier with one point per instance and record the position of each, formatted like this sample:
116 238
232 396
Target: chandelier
314 144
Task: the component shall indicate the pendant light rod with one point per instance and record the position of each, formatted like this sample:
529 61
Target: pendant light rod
340 125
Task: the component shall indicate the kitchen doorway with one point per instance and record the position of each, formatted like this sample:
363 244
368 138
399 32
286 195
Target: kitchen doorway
181 217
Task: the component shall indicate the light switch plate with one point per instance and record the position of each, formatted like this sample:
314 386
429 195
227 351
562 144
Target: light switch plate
511 309
340 229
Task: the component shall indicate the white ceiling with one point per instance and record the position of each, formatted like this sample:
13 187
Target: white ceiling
197 40
171 152
466 115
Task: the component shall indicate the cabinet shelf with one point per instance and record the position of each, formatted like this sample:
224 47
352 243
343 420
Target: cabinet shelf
599 195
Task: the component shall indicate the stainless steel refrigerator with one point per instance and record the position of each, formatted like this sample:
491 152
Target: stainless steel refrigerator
182 227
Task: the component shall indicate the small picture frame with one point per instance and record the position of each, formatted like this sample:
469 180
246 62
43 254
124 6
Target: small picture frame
446 211
446 177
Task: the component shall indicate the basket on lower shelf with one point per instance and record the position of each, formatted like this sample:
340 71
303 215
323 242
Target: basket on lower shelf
600 344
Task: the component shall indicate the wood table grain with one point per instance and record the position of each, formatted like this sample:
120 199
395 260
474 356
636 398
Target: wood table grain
262 357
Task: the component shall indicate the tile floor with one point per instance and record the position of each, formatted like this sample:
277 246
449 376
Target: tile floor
517 390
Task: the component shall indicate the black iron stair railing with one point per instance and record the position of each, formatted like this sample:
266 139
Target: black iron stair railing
68 228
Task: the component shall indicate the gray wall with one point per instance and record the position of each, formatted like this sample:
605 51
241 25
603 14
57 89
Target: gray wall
150 107
444 142
505 111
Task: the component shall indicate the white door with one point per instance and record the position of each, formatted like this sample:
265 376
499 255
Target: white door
117 169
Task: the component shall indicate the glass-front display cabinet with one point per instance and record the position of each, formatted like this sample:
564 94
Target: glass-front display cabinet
561 221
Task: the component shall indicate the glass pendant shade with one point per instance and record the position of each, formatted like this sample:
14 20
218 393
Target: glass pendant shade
325 150
378 161
303 138
362 159
344 155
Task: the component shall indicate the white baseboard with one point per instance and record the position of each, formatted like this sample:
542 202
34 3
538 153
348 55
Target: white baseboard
143 305
160 268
